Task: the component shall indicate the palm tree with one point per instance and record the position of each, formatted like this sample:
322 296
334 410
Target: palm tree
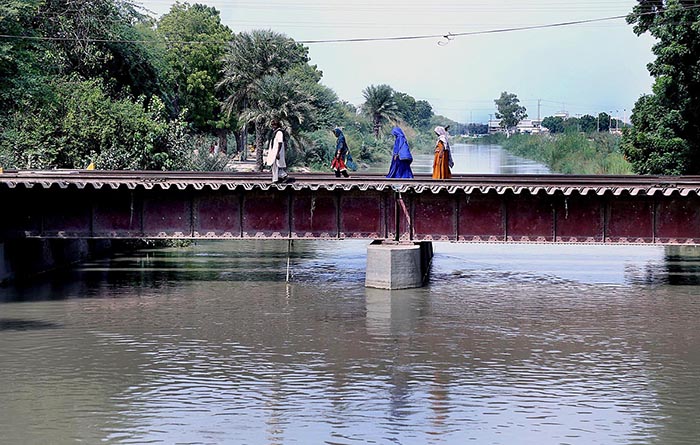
277 97
380 105
250 56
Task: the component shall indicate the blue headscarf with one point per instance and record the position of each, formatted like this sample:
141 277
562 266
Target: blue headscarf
401 145
340 143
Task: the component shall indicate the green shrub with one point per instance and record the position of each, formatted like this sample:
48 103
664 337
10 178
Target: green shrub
572 152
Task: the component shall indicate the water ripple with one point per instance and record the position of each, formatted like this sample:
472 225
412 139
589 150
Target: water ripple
523 350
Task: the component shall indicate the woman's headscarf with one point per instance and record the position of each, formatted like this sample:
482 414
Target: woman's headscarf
340 143
443 136
401 145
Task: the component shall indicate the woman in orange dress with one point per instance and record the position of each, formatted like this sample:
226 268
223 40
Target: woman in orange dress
443 155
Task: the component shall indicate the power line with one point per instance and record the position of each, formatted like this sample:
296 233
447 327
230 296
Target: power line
448 37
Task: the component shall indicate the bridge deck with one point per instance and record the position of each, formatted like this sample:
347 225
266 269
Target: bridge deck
466 208
583 184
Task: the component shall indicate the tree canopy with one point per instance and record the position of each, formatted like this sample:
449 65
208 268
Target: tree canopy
380 105
665 136
509 110
101 81
195 42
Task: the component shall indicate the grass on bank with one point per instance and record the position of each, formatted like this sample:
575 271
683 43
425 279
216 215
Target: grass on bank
569 153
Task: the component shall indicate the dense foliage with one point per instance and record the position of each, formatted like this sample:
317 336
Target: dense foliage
99 81
586 123
78 84
571 152
195 41
665 136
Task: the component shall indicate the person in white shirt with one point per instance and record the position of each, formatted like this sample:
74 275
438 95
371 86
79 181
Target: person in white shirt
275 154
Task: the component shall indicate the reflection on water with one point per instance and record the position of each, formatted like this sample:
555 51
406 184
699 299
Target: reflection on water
518 344
506 344
473 158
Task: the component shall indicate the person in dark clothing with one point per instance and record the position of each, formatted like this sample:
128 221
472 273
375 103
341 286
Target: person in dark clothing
341 153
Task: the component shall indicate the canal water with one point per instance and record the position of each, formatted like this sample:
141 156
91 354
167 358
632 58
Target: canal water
474 158
507 344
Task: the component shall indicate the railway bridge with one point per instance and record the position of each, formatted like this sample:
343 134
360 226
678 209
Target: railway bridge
467 208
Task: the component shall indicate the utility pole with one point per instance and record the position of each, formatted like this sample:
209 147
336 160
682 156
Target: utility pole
539 102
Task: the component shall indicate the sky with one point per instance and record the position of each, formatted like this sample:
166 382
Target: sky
581 69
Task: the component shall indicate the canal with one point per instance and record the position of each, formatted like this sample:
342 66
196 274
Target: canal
526 344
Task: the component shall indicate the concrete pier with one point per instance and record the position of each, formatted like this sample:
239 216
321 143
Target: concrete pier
392 265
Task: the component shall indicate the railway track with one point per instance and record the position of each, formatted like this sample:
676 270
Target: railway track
550 183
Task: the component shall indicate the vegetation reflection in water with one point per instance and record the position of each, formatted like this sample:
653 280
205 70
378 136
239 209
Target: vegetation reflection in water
506 344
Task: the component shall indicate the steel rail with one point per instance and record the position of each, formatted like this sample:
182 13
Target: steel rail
176 177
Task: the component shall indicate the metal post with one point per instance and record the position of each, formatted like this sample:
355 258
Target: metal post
289 248
396 216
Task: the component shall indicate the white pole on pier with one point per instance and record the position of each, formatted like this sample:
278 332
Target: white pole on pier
289 248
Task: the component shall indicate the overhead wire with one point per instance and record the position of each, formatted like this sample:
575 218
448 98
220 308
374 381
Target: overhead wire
406 5
449 36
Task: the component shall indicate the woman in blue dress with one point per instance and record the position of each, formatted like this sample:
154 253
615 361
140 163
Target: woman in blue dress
401 159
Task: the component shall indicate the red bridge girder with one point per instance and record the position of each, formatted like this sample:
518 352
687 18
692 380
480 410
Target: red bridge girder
472 208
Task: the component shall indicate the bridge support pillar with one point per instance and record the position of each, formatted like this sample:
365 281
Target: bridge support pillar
392 265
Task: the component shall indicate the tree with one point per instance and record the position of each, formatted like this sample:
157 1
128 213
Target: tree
277 97
22 62
104 38
251 56
603 122
555 124
379 106
329 111
195 67
509 111
475 128
406 106
87 90
653 144
424 113
588 123
15 20
665 136
572 125
76 122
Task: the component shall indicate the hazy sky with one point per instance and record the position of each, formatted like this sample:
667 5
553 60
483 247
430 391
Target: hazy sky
582 69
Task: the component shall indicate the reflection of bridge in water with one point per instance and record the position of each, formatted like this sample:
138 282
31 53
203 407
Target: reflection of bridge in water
467 208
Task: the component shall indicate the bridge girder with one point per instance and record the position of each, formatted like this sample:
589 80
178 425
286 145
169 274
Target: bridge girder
491 208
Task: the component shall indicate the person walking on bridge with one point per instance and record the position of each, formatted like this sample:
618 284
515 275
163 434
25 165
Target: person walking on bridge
443 155
401 158
341 153
276 153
